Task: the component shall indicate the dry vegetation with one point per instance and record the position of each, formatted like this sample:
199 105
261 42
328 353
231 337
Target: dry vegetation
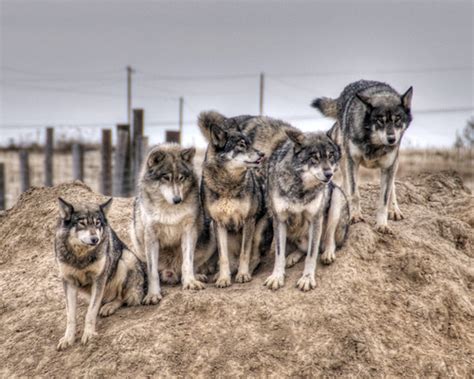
390 306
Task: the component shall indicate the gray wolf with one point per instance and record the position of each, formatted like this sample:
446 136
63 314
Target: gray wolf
92 259
168 228
233 196
371 120
309 212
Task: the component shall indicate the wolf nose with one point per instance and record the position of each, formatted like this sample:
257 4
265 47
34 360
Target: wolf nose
177 199
94 240
391 139
328 174
260 154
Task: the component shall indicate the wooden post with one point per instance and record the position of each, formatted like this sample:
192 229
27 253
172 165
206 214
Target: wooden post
24 171
2 187
48 157
129 94
262 87
77 162
181 106
121 171
172 136
137 133
106 162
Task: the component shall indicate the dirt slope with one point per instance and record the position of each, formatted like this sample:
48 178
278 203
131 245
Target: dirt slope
389 305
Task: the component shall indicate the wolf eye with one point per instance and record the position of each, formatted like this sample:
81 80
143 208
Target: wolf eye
166 177
397 118
98 223
314 160
181 178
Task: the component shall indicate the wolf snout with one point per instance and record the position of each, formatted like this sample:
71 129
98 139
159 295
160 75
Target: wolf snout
94 240
177 199
391 139
328 174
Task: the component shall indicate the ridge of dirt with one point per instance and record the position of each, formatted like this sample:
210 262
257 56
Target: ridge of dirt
391 305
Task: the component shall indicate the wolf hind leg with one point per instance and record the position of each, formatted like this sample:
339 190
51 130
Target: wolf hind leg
110 308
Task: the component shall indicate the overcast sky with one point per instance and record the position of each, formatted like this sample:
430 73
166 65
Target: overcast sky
63 62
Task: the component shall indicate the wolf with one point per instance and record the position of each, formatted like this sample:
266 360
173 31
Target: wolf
309 212
233 196
371 120
168 222
92 259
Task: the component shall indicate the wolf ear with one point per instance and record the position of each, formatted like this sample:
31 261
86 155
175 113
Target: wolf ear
406 99
188 154
334 133
155 158
65 209
218 136
296 137
105 207
366 100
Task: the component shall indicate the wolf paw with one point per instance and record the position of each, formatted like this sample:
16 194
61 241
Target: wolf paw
152 298
275 281
328 257
201 277
293 259
357 217
65 342
306 283
384 229
88 336
243 277
193 284
223 282
109 309
395 215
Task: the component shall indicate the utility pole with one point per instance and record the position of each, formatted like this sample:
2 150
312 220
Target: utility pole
181 104
129 94
262 86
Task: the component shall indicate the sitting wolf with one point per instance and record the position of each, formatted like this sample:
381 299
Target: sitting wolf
91 258
310 213
371 120
169 228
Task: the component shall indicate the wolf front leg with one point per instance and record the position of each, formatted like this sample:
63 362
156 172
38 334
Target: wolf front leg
152 250
308 279
188 246
351 176
223 280
244 275
70 292
277 278
97 293
394 212
386 185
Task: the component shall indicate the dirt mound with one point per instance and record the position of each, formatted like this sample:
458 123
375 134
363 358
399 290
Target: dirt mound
389 306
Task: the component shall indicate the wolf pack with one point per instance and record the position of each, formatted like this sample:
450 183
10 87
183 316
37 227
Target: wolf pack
266 189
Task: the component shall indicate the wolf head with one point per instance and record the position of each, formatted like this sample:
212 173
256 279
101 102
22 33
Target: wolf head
229 145
85 223
315 156
386 119
169 169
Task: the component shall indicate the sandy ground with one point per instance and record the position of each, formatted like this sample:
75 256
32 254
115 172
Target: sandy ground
391 305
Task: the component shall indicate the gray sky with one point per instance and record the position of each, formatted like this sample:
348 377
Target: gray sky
63 62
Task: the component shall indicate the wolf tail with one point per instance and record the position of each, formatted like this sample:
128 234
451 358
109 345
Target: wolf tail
327 106
207 119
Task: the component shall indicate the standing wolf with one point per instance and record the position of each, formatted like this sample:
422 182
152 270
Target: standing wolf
308 210
91 258
233 196
372 118
168 222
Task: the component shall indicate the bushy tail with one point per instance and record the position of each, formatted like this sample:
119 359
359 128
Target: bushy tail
327 106
207 119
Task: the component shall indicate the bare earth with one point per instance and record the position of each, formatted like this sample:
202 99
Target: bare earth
400 305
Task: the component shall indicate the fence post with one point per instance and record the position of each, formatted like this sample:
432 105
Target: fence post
137 133
121 165
77 162
2 187
24 170
106 162
48 157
